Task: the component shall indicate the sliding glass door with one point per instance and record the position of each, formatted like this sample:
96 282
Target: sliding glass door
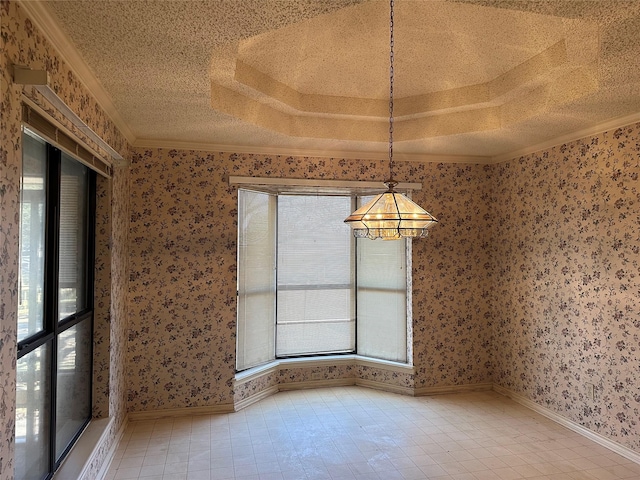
55 315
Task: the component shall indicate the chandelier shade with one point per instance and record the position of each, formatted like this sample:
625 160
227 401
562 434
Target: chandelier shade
390 216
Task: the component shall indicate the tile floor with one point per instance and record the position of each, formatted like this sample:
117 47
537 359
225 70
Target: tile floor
349 433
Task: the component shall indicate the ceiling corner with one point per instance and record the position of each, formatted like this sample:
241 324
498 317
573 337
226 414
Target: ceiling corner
45 22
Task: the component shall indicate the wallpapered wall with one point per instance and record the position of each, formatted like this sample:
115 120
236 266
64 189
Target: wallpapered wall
531 280
567 280
181 345
9 198
25 45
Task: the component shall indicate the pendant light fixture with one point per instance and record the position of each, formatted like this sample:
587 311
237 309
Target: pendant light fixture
390 215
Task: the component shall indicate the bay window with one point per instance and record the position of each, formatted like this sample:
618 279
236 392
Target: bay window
307 287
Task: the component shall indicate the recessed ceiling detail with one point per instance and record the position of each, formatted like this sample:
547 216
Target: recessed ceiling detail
473 78
547 79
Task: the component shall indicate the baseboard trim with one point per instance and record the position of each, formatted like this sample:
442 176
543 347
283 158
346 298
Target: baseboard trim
336 382
386 387
570 424
102 473
325 383
449 389
180 412
250 400
312 363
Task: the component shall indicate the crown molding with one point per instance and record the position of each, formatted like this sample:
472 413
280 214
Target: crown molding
612 124
44 21
303 152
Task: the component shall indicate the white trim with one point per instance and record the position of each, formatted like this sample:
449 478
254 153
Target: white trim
307 384
570 424
21 77
569 137
255 372
47 92
320 183
341 360
303 152
102 473
384 365
408 260
75 464
44 21
327 361
251 399
385 387
180 412
310 362
397 156
452 389
353 361
325 383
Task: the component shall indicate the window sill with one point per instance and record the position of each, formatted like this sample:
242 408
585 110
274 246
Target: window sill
84 451
324 361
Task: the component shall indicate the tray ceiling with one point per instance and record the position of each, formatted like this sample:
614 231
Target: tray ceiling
473 79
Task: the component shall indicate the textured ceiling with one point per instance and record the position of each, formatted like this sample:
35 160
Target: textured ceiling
477 78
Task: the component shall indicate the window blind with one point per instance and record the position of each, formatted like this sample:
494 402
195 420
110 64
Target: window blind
316 278
256 279
72 252
302 291
382 299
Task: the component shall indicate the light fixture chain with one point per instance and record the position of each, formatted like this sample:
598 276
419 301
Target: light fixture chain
390 215
391 43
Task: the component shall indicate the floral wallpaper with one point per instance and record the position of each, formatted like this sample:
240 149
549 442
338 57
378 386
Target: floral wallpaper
452 277
23 44
10 169
566 281
119 287
110 316
530 281
181 345
102 299
519 284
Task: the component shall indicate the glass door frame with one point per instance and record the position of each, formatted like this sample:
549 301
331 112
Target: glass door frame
52 327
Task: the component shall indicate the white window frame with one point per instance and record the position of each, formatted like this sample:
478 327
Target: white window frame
314 187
